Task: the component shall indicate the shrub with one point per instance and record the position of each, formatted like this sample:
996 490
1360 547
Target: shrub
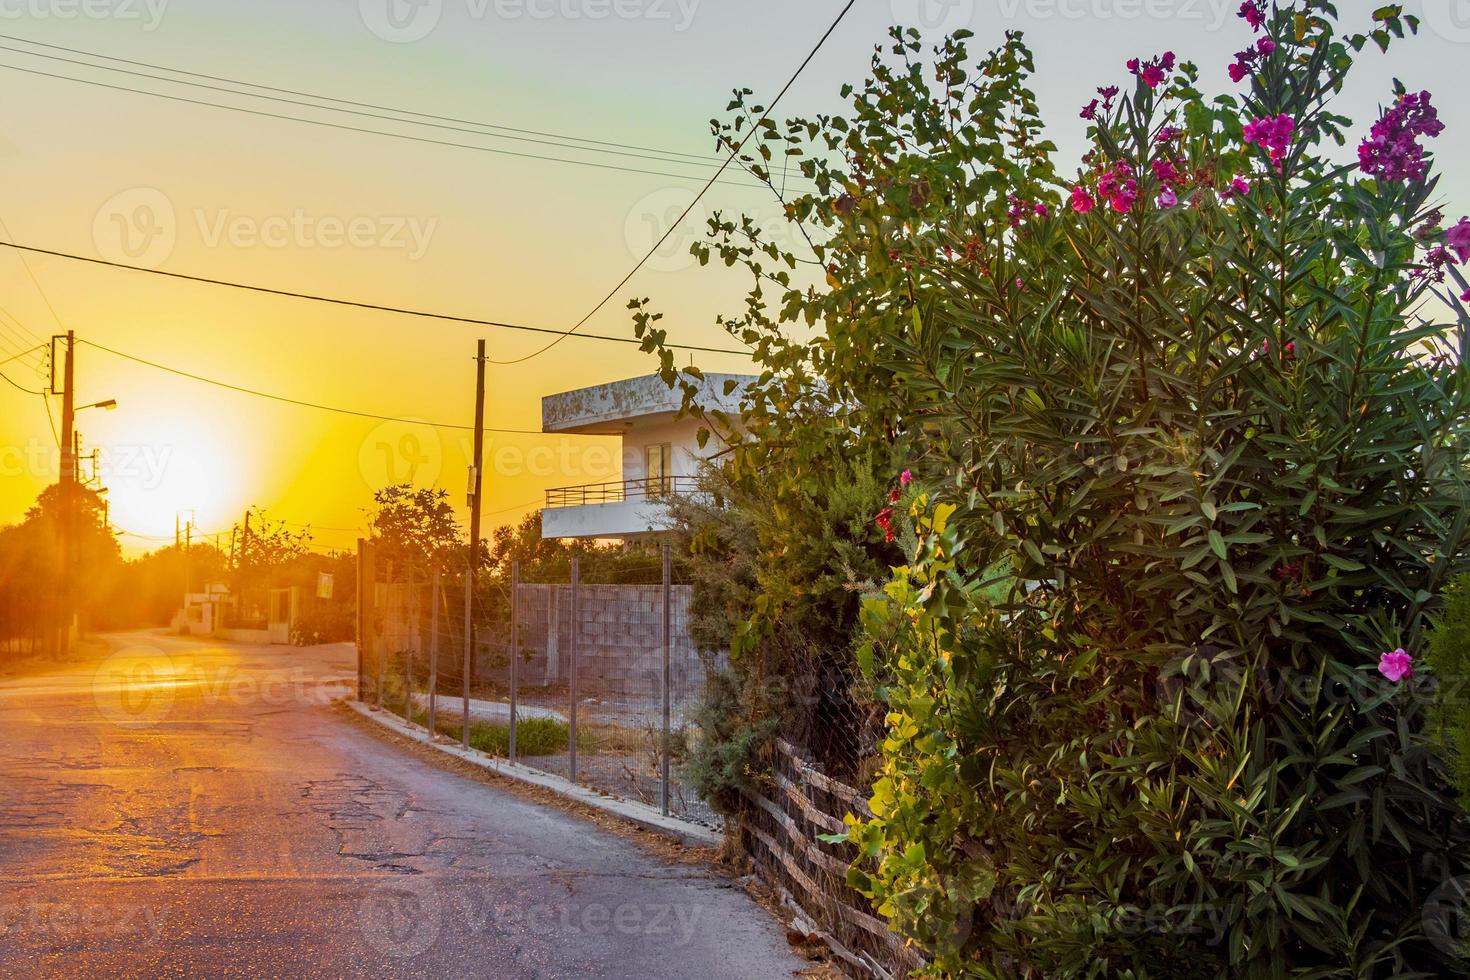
1449 663
534 736
1187 402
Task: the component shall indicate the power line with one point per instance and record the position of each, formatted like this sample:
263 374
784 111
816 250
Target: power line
354 303
552 139
698 197
34 282
363 129
697 157
294 401
16 357
21 387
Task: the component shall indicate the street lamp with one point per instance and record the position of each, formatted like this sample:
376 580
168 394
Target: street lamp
107 405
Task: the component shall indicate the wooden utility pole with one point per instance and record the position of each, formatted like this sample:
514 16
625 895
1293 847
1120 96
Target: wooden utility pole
476 485
68 475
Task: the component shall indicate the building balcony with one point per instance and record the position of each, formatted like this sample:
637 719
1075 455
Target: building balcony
623 509
620 491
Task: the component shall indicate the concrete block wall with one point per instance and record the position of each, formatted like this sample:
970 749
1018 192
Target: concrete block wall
619 640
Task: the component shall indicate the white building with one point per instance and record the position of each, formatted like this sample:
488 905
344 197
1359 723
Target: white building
661 454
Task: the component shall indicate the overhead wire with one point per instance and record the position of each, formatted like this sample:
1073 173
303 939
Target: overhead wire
697 157
638 153
363 129
358 304
241 389
734 153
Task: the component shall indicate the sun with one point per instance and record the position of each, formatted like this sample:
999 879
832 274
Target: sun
184 466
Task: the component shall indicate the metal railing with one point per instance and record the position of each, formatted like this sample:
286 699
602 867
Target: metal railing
620 491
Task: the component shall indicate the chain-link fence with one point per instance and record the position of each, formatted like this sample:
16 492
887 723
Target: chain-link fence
597 682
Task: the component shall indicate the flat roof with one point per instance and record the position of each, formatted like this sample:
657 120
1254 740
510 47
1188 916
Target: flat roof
607 408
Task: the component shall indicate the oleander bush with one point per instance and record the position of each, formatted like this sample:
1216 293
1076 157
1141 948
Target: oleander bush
1190 435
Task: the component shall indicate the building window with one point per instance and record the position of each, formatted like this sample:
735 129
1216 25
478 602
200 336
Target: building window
659 460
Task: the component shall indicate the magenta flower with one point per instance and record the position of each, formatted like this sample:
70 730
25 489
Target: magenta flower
1241 69
1042 211
1168 199
1465 296
905 478
1273 134
1082 201
1253 14
1457 239
1164 171
1396 666
1392 150
1089 111
1153 72
1120 187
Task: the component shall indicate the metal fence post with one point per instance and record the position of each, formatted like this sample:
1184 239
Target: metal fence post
382 659
415 635
667 692
515 649
572 650
469 652
434 654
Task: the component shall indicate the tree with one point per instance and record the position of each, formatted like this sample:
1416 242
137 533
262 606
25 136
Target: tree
415 527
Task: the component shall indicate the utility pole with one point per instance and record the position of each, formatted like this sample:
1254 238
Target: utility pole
476 485
68 493
188 540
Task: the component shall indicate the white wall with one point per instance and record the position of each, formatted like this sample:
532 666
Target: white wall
682 434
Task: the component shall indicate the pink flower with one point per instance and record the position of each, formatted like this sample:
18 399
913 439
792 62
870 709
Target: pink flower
1458 239
1265 46
1265 347
1392 149
1168 199
1089 111
1082 201
1239 70
1273 134
1164 171
1465 296
1153 72
905 478
1253 14
1396 666
1120 187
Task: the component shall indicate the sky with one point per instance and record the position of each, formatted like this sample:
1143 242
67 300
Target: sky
104 172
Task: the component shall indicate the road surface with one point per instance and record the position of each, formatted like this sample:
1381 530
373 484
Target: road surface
176 808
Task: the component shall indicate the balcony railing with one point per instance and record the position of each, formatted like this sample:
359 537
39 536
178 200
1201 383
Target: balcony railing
623 490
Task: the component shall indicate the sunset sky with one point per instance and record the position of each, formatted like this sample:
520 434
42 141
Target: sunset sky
88 170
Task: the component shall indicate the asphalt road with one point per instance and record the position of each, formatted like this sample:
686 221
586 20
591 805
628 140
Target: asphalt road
181 809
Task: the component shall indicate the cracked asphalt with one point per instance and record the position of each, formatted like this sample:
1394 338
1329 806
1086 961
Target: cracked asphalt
180 808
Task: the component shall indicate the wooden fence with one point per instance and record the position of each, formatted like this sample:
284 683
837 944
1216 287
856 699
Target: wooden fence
781 832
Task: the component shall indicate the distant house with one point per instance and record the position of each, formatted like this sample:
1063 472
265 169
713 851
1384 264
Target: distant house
661 453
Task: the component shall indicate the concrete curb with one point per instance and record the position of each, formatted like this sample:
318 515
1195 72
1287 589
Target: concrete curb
638 814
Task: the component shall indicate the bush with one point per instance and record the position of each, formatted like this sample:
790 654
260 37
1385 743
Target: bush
534 736
1183 413
1449 663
